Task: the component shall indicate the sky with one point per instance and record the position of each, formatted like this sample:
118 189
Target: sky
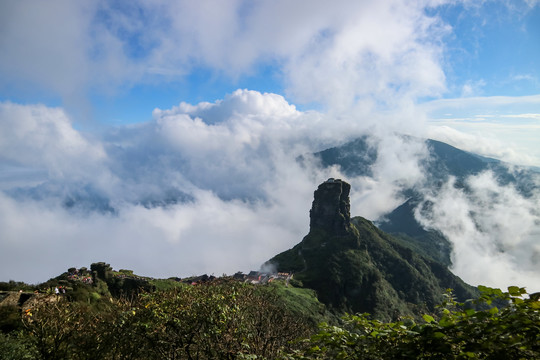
162 136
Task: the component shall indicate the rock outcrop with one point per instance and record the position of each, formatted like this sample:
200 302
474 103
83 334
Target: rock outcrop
355 267
330 210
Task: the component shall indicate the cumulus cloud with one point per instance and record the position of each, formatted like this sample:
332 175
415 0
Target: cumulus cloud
192 191
370 48
217 188
43 138
494 231
336 54
211 187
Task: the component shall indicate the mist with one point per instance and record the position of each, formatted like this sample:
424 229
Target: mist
214 186
494 231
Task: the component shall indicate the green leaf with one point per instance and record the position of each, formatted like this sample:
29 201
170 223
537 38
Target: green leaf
514 290
428 318
535 304
445 322
485 290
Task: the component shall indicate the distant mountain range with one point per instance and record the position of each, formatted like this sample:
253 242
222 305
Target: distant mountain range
357 158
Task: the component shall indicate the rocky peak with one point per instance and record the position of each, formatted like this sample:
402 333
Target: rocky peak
330 210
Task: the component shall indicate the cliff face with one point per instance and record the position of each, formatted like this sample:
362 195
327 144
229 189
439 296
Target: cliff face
355 267
330 210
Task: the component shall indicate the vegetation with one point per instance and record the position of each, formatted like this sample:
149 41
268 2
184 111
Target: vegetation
107 314
302 303
227 319
396 288
14 285
459 332
367 270
223 319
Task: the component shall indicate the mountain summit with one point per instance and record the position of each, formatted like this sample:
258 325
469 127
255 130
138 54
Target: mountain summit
331 207
355 267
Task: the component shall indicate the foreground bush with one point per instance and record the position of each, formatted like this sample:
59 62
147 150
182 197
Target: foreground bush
218 320
459 332
229 320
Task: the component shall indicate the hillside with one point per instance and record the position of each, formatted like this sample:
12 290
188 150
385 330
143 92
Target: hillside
346 263
355 267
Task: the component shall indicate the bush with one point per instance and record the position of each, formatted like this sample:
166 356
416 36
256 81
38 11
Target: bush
10 318
220 319
13 347
458 332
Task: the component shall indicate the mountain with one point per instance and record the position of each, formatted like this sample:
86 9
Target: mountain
355 267
443 161
356 158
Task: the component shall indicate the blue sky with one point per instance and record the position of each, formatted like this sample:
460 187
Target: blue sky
113 63
489 48
493 48
127 103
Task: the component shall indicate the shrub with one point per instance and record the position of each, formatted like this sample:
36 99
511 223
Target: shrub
458 332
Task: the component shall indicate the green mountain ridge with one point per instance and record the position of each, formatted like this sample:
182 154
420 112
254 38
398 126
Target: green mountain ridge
355 267
350 264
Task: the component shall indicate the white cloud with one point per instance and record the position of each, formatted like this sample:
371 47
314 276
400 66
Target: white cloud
510 143
230 191
207 235
398 167
55 49
242 102
38 137
503 127
523 116
243 195
485 103
472 88
374 54
54 33
246 197
338 54
493 229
